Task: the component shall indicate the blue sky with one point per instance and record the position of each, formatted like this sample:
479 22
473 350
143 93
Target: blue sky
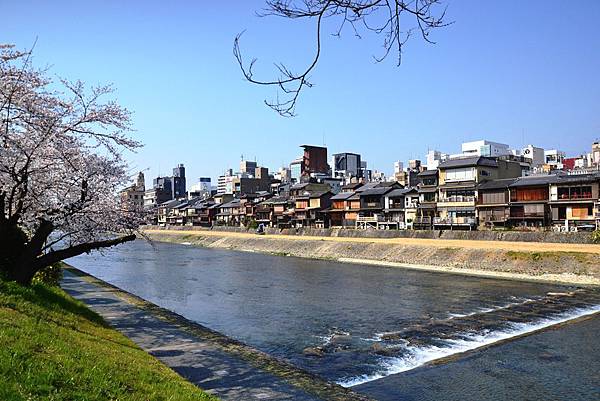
511 71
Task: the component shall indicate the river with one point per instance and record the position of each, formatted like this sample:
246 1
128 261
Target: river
374 328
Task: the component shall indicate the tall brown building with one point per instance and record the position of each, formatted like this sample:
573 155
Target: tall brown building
314 160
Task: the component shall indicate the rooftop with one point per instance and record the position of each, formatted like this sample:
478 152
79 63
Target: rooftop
497 184
401 192
375 191
468 162
428 173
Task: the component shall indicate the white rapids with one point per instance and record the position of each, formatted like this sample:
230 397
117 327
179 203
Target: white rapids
418 356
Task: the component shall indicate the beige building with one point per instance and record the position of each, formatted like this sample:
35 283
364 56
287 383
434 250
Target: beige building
458 181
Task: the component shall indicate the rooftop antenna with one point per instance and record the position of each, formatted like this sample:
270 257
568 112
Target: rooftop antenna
242 156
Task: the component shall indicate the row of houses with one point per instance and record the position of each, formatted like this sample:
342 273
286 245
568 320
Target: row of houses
467 193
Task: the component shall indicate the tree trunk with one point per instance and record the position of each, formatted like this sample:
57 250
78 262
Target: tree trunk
21 259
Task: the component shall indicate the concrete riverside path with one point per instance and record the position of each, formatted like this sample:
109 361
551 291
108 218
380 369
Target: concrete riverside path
219 365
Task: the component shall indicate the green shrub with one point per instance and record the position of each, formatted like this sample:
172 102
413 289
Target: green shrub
596 237
50 275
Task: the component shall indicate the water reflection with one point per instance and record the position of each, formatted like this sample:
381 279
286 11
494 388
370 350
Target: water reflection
334 319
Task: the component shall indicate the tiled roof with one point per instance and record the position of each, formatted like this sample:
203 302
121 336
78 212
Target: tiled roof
401 192
342 196
468 161
497 184
534 180
427 173
375 191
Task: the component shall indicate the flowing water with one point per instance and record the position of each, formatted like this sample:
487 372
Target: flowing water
359 326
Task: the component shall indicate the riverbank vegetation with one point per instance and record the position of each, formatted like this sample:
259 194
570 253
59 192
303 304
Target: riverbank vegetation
53 347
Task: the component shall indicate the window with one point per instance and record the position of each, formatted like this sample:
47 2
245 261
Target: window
493 197
562 213
528 194
580 212
459 174
534 210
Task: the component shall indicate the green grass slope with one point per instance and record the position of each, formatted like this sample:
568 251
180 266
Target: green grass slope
53 347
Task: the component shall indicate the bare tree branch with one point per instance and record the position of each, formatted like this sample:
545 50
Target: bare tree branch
381 17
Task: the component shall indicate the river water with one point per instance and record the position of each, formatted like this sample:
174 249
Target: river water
367 327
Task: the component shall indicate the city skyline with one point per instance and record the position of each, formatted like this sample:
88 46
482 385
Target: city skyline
527 82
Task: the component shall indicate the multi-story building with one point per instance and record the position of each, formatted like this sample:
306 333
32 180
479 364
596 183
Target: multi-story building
485 148
178 182
132 197
346 165
248 167
596 154
296 170
554 159
202 189
400 206
458 181
566 201
529 201
314 160
310 210
434 158
339 207
261 173
428 198
574 199
534 155
224 185
284 175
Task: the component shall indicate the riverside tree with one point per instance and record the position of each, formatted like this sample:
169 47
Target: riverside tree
61 166
379 17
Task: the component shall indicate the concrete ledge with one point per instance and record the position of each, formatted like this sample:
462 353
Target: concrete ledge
517 236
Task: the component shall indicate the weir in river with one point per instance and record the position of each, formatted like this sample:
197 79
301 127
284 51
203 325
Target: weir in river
360 326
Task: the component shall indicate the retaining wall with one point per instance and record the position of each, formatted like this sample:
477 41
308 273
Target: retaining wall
522 236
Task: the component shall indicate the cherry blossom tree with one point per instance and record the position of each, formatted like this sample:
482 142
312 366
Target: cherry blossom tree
395 20
61 167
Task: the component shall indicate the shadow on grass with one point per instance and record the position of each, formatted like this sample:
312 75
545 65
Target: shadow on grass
51 299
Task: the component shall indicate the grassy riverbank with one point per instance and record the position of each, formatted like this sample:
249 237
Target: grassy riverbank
53 347
577 264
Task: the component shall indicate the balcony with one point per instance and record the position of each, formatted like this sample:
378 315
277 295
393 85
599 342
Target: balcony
423 221
496 218
458 198
583 196
369 219
454 221
530 215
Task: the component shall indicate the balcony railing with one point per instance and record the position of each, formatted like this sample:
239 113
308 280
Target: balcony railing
454 221
369 219
458 198
585 195
426 220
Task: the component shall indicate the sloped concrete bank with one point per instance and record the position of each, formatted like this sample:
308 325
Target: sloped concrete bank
579 268
516 236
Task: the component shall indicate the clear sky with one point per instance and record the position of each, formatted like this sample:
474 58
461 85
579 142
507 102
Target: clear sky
511 71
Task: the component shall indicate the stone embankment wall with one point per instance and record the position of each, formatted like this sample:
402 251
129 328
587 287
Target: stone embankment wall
519 236
566 267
